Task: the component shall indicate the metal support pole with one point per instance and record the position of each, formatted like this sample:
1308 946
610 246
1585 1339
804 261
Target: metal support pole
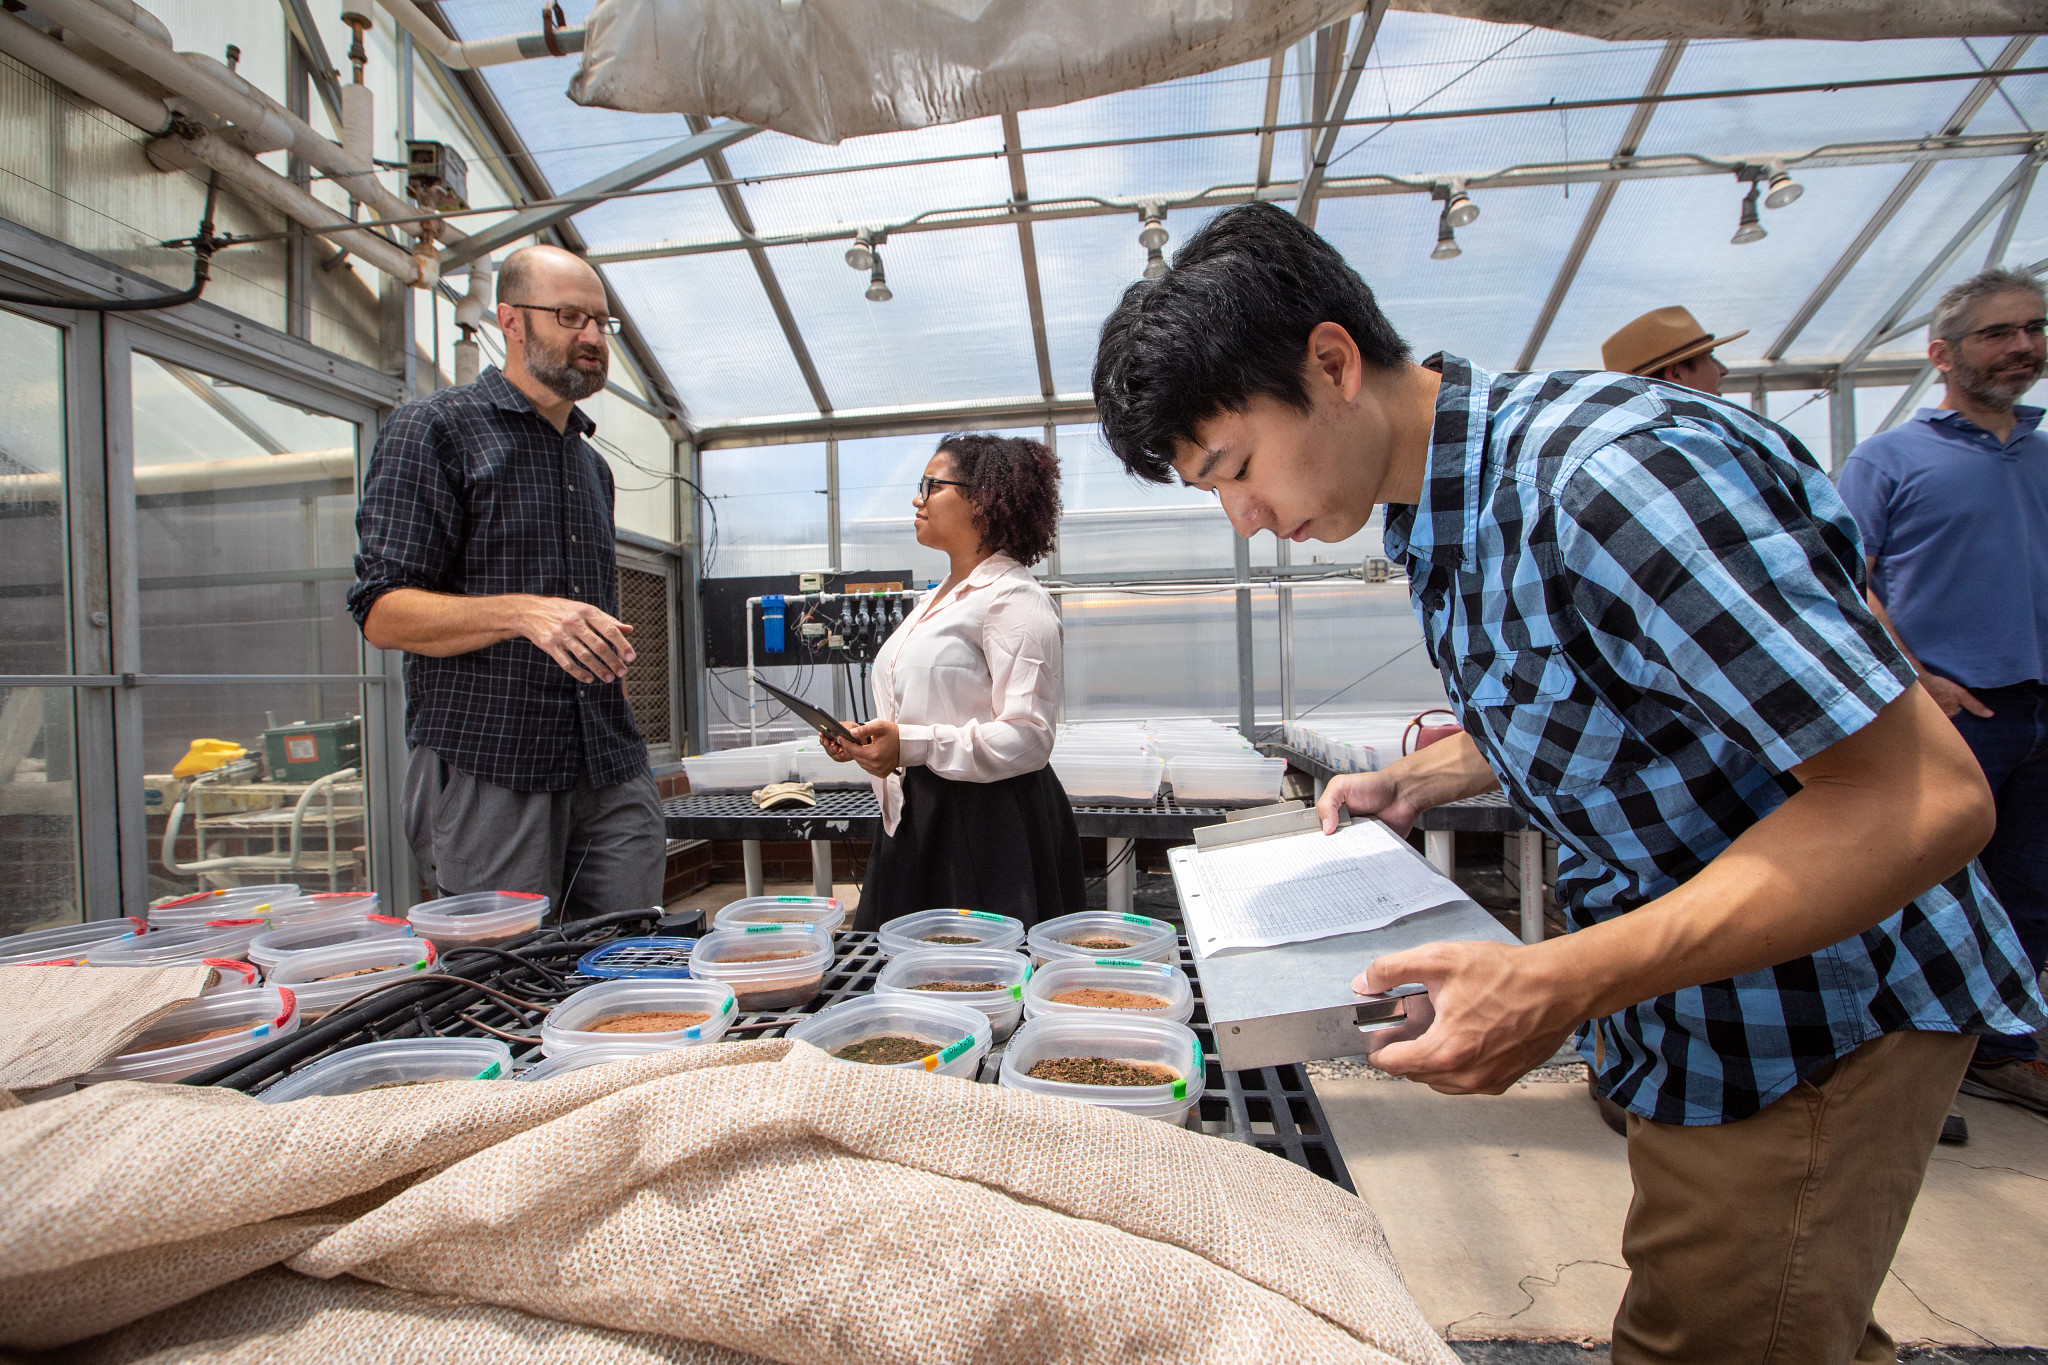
833 562
1841 422
750 856
1283 555
1247 697
821 867
753 736
1440 846
1532 885
1123 876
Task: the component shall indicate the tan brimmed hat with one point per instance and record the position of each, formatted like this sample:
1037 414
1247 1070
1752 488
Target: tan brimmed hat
1656 339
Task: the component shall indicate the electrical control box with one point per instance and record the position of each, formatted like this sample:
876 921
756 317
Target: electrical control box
436 176
305 750
803 633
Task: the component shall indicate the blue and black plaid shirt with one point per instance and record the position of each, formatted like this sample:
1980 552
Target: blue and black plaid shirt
1647 607
472 492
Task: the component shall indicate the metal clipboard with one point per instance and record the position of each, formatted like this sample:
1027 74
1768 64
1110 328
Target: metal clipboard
1294 1002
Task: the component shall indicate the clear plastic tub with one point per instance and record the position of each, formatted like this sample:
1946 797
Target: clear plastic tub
1245 779
768 966
926 928
233 974
322 905
577 1058
1002 973
570 1025
1103 933
176 1045
740 769
67 943
176 947
959 1036
485 917
824 911
1113 1037
272 946
1160 981
325 979
1108 777
395 1062
205 907
809 763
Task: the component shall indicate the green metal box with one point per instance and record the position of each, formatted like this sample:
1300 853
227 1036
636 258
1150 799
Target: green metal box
310 749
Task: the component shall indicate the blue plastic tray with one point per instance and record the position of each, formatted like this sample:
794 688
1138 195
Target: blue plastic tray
641 957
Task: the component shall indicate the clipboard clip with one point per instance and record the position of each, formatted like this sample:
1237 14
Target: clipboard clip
1404 1007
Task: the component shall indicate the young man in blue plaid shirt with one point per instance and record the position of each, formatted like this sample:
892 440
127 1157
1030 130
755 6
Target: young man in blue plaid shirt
1647 607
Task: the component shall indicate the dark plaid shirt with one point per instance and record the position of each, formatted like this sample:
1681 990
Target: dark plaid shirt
1647 606
472 492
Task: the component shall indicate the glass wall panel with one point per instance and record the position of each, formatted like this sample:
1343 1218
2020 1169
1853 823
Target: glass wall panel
767 512
245 538
38 784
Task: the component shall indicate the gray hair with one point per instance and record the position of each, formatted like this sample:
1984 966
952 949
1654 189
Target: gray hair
1952 310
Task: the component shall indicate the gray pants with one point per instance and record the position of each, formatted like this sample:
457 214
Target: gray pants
590 850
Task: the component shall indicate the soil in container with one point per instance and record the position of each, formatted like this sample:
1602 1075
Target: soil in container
399 1085
1094 998
360 971
973 986
762 957
1100 943
886 1049
1101 1071
775 995
648 1021
190 1038
950 940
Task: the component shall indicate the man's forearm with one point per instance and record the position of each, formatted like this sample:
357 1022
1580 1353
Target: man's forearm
1883 815
1449 770
441 625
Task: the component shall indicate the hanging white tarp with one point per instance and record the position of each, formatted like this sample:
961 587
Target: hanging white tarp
1838 20
832 69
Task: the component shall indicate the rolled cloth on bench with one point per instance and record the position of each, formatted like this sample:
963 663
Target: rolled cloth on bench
60 1022
730 1202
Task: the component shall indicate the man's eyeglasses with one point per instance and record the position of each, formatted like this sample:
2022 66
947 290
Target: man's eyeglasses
2006 331
926 484
575 319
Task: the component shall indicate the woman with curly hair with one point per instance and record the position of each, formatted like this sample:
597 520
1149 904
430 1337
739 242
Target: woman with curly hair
966 690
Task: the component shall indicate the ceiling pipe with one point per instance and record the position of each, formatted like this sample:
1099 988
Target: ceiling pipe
466 56
40 52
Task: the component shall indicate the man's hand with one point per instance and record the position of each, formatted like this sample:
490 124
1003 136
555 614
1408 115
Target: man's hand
1448 770
1952 697
588 644
879 753
1500 1012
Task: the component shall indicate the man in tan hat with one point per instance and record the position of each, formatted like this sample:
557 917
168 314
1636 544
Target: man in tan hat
1668 344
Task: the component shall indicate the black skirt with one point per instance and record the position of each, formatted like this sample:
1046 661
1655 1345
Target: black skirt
1007 847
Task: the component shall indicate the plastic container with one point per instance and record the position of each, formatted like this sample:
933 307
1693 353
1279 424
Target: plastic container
1101 776
1108 935
255 1016
981 928
768 966
321 976
655 958
205 907
322 905
480 917
824 911
1151 1042
578 1058
1245 780
176 947
272 946
1003 973
740 769
809 763
569 1025
68 943
959 1035
1160 980
395 1062
233 974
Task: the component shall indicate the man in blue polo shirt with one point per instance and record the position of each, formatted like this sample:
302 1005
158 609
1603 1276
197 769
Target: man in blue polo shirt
1954 510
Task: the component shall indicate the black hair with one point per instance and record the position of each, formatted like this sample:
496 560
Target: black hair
1227 324
1013 483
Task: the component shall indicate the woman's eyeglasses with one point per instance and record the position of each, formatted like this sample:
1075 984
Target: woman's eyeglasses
926 484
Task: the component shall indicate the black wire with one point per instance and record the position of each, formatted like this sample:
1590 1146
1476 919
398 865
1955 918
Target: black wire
1130 852
204 244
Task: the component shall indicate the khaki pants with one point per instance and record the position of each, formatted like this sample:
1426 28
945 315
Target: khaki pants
1765 1241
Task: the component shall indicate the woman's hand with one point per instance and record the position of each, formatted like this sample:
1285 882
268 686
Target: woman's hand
879 752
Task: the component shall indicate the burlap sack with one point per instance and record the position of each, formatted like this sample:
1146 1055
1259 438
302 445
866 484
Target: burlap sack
60 1022
751 1198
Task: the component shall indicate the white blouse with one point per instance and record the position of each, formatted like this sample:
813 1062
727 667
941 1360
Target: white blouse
972 679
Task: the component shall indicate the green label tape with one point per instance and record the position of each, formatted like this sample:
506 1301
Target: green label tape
420 966
1180 1089
1198 1055
792 900
957 1050
764 928
1017 992
1120 962
1143 919
490 1073
730 1001
983 914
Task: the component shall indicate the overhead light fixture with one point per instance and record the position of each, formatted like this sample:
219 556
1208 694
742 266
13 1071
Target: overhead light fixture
1749 229
1459 210
1784 189
1155 263
1446 241
878 283
861 255
1152 236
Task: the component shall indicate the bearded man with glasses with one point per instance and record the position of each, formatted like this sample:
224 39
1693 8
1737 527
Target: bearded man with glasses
487 555
1953 505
